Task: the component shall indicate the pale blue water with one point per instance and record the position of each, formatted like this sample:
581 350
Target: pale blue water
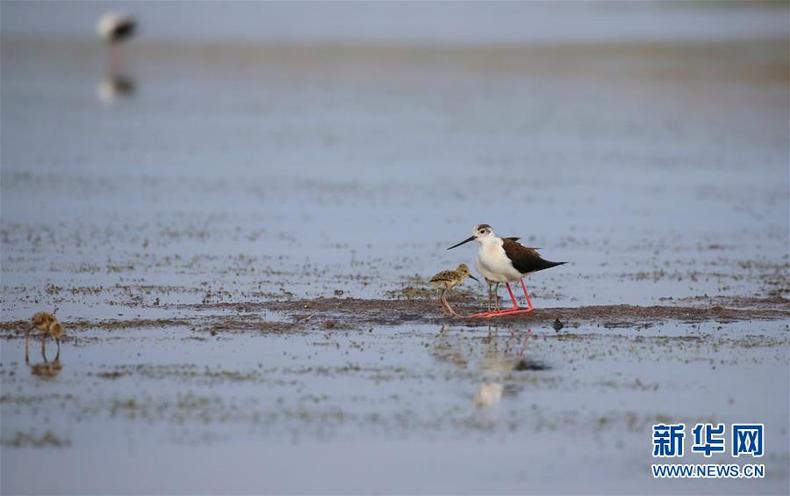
403 22
240 171
391 410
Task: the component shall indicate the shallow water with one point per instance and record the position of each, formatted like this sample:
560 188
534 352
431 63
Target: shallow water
244 173
366 411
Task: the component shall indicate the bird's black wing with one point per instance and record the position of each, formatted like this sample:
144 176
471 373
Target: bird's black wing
526 260
125 29
516 238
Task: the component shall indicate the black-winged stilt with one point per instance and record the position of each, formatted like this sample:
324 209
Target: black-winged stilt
505 260
115 28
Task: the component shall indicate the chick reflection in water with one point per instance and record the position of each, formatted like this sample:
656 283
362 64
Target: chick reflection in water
45 369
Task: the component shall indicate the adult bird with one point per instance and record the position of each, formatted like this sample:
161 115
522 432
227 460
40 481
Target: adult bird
115 28
505 260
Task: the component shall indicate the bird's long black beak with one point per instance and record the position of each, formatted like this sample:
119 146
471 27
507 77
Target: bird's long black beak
470 238
473 277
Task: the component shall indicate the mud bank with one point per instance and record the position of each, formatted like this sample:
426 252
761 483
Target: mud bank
353 313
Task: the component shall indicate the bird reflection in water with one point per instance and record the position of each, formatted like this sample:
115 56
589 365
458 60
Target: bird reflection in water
115 87
494 363
497 362
488 394
47 370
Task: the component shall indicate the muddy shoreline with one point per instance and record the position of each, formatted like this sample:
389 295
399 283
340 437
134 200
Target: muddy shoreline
353 313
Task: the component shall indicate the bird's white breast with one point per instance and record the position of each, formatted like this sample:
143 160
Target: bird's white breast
494 264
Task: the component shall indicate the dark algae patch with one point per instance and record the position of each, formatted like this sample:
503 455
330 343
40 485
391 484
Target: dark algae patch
25 439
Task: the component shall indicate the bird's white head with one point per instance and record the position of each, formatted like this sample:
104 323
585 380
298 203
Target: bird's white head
115 26
482 233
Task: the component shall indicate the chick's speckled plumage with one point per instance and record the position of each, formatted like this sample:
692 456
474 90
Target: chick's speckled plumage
450 278
49 326
43 320
55 330
447 280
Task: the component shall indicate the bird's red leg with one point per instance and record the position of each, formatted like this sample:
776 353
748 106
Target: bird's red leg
114 64
516 309
512 297
526 295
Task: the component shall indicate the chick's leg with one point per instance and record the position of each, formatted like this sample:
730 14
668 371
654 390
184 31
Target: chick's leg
449 308
442 302
27 347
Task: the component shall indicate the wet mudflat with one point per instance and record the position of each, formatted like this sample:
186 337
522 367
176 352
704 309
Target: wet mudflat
240 250
350 313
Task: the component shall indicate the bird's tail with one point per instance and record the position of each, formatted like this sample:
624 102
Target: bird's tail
547 264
